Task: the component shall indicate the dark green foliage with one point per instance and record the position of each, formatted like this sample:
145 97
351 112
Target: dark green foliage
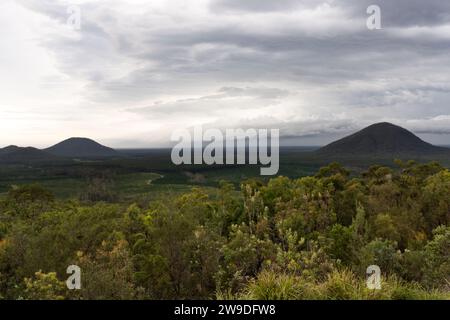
99 188
306 238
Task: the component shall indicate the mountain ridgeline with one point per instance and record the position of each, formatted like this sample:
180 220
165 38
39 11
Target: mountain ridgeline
378 141
15 154
383 140
73 148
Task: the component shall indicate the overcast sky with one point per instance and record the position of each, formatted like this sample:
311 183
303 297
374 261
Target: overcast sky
137 70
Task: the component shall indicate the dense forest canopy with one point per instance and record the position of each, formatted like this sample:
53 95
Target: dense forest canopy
305 238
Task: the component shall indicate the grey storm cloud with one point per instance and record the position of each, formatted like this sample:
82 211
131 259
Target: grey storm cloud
405 12
312 66
256 5
395 12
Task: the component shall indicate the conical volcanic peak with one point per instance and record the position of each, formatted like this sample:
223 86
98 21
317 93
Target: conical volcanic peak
81 148
382 139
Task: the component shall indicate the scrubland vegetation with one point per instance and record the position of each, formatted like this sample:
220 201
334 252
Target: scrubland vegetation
305 238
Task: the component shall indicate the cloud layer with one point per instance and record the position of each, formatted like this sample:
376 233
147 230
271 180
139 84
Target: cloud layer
137 70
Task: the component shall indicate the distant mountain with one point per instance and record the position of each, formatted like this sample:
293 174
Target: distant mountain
14 154
382 140
81 148
9 149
